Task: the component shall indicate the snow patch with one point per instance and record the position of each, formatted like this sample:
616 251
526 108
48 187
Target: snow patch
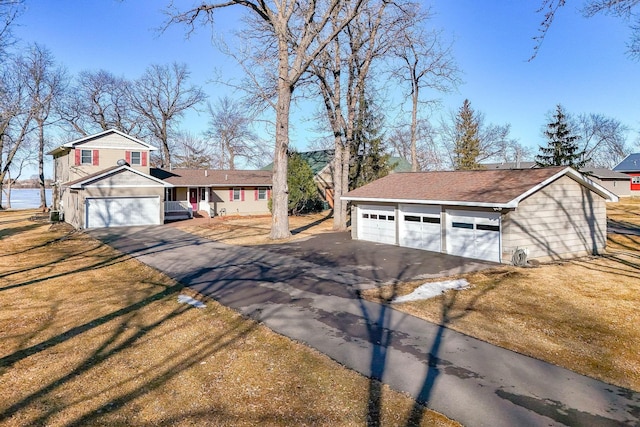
186 299
433 289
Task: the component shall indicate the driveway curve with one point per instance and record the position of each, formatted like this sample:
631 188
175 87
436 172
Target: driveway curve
314 299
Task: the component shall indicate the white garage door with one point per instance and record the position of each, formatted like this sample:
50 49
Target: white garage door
419 227
377 224
474 234
122 211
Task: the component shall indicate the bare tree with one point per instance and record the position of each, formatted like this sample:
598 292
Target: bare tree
99 101
192 152
160 97
300 32
45 82
425 64
342 72
604 139
16 117
9 12
624 9
428 153
230 131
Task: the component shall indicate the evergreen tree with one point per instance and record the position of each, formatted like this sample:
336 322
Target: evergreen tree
368 151
303 192
562 145
467 145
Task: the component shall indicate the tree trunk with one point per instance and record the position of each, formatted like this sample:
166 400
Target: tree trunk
414 130
339 220
43 194
280 194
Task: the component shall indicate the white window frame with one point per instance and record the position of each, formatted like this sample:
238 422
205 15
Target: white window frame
138 161
237 191
83 157
262 193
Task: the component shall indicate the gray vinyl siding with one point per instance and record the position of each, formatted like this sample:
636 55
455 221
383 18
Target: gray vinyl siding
561 220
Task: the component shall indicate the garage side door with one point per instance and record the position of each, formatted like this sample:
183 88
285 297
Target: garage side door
474 234
122 211
377 224
419 227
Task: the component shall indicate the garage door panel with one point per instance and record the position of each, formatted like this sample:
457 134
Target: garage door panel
122 211
420 227
474 234
377 224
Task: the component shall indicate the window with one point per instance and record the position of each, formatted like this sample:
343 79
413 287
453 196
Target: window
391 217
462 225
237 194
412 218
365 215
203 193
487 227
383 217
374 216
262 194
86 157
431 220
136 158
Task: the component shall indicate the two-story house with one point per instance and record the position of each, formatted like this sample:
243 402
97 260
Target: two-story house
104 180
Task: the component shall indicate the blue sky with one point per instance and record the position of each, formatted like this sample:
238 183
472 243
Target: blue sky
582 63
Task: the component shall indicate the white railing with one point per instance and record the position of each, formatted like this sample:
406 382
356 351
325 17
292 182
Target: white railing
181 207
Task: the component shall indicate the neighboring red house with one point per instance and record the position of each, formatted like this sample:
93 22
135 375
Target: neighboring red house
631 166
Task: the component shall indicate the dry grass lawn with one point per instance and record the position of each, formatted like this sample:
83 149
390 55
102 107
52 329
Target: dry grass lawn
246 230
91 337
582 314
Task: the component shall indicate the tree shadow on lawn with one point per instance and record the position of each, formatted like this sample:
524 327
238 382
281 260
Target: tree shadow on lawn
118 340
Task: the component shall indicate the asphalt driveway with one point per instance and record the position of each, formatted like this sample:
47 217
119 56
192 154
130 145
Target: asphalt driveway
375 261
308 292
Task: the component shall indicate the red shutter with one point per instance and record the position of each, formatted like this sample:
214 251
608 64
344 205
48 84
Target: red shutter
242 194
268 193
127 156
78 154
231 194
255 193
144 158
96 159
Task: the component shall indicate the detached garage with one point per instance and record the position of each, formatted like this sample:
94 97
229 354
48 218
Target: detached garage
116 197
549 213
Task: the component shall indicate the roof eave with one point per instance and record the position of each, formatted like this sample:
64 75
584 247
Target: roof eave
503 205
80 185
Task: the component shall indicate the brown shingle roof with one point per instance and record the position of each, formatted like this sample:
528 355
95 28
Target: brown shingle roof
482 186
214 178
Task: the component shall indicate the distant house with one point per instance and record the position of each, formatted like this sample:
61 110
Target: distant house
103 180
216 192
321 163
508 165
615 182
630 166
547 213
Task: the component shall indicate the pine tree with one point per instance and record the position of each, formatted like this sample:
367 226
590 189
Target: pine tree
562 145
467 145
303 192
369 151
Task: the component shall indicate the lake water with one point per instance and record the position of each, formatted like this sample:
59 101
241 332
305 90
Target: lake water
26 198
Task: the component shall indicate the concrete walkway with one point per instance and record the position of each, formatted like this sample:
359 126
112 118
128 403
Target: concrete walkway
468 380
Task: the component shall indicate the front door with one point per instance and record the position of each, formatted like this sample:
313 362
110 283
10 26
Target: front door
193 198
